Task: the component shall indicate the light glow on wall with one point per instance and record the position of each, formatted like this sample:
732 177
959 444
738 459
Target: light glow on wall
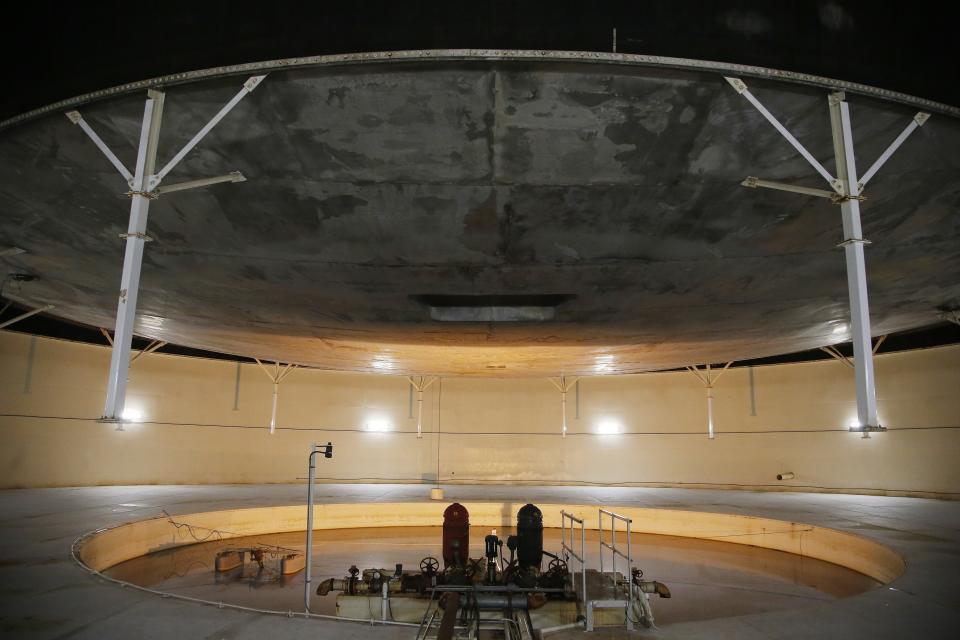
131 414
609 427
840 328
378 425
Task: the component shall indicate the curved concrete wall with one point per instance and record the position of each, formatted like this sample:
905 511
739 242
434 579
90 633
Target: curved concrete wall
206 422
107 548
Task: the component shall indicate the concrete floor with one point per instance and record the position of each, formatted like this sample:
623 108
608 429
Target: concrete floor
46 595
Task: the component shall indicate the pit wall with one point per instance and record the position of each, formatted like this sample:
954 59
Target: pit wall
203 424
107 548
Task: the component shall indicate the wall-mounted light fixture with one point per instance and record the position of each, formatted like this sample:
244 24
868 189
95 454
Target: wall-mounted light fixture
129 415
378 426
866 430
608 427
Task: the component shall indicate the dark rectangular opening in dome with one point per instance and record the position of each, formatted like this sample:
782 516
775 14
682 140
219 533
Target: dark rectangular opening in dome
493 307
495 300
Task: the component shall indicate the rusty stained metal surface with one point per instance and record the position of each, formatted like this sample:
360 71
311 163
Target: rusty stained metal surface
371 184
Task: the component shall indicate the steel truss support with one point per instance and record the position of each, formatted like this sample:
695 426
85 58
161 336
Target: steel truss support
144 184
154 345
421 384
150 348
831 350
278 375
563 385
25 315
849 192
709 378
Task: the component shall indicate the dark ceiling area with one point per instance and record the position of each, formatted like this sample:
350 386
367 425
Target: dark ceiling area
56 51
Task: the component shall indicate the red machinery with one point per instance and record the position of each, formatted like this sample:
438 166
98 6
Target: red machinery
456 536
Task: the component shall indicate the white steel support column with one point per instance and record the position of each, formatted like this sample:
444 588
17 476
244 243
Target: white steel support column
563 386
278 376
136 236
707 377
849 192
710 432
420 385
563 412
273 409
853 242
144 185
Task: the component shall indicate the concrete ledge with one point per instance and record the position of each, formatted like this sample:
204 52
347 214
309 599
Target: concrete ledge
102 549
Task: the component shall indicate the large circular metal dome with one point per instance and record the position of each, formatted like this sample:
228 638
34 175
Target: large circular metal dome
499 213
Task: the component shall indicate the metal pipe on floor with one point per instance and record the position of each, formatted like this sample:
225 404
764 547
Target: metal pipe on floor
451 606
562 627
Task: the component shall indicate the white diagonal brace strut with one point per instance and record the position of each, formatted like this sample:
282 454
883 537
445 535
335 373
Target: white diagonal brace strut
880 341
742 89
856 263
832 351
756 183
248 87
77 119
133 258
150 348
24 316
915 123
233 176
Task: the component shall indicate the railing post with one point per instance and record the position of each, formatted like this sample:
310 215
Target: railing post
583 562
629 579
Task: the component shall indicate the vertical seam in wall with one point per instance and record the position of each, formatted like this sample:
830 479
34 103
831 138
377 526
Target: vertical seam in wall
410 400
236 390
28 377
577 417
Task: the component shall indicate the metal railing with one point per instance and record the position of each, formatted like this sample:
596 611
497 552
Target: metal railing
614 552
569 551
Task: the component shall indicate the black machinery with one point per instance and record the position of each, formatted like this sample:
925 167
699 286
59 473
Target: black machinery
463 595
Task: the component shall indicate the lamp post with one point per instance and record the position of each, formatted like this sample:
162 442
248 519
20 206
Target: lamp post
327 451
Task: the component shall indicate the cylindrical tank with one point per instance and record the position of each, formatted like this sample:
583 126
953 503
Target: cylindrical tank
456 535
529 537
